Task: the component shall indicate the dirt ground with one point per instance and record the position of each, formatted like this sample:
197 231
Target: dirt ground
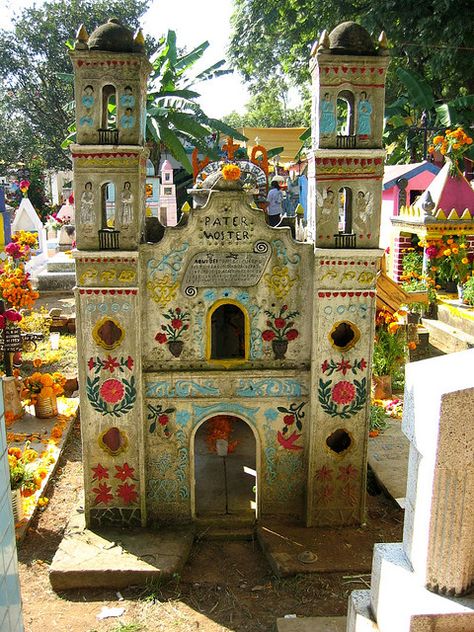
224 587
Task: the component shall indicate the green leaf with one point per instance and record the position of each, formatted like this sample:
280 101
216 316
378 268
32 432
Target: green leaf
225 129
274 151
186 61
418 89
305 135
187 124
153 427
171 140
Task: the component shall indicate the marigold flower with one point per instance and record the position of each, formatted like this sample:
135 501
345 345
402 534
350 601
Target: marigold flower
447 252
411 345
231 172
393 328
37 363
465 260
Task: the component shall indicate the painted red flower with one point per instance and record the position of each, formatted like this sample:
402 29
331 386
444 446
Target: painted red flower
347 472
268 335
292 334
176 323
324 473
343 392
129 363
178 310
280 323
110 364
324 366
326 494
284 308
124 471
362 364
103 494
91 363
112 391
100 472
161 338
343 366
163 420
288 420
127 493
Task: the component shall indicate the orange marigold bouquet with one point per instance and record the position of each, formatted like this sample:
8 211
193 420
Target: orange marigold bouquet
43 385
453 144
231 172
390 348
15 286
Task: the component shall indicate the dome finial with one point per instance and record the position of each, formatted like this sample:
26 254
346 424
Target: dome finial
81 38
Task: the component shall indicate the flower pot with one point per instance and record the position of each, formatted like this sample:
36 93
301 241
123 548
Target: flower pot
11 398
279 348
46 407
17 506
175 347
451 287
382 386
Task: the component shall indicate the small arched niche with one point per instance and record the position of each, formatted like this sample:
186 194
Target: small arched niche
109 107
345 210
228 331
345 120
108 204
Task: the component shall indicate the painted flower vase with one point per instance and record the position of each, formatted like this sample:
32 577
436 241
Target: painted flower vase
46 407
382 386
11 398
279 349
17 506
175 347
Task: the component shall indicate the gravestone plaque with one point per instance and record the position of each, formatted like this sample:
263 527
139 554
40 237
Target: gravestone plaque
222 269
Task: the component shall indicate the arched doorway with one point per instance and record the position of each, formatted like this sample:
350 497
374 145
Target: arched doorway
225 469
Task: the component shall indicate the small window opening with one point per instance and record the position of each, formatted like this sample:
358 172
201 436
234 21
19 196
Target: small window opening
227 333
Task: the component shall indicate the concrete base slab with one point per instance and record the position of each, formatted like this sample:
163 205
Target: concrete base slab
388 459
116 558
312 624
447 338
359 614
401 604
294 549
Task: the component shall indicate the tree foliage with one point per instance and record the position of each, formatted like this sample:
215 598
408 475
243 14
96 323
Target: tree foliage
432 38
32 59
268 107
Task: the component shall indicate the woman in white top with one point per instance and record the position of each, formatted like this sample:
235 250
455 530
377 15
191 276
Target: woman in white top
275 204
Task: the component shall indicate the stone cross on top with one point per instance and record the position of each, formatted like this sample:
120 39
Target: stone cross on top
230 148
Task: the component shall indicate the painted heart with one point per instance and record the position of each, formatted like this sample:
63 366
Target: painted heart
96 291
353 69
365 263
328 294
365 294
369 235
344 68
343 294
380 71
351 294
336 69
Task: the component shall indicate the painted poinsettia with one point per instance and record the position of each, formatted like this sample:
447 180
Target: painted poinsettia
281 326
127 493
100 472
124 471
103 493
112 391
110 364
343 366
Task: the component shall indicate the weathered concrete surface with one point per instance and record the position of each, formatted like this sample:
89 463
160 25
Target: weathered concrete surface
447 338
312 624
116 558
359 614
388 458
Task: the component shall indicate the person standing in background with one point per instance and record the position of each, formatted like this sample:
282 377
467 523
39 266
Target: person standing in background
275 204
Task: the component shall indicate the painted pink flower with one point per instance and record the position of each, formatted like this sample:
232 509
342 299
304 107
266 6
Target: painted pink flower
161 338
347 472
112 391
292 334
110 364
268 335
343 392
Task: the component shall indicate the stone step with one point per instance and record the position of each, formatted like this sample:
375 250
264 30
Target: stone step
61 266
312 624
52 281
225 528
359 614
446 338
458 316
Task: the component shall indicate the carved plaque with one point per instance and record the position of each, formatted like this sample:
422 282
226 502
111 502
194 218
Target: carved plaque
226 269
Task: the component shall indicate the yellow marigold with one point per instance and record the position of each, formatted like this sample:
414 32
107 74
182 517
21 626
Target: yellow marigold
30 455
463 246
393 328
447 252
455 250
456 146
231 172
56 433
42 472
465 260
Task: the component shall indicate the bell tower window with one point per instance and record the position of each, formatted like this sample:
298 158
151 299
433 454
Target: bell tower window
108 203
345 120
345 210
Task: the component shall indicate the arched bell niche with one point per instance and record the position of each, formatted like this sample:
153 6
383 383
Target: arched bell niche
225 469
228 332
